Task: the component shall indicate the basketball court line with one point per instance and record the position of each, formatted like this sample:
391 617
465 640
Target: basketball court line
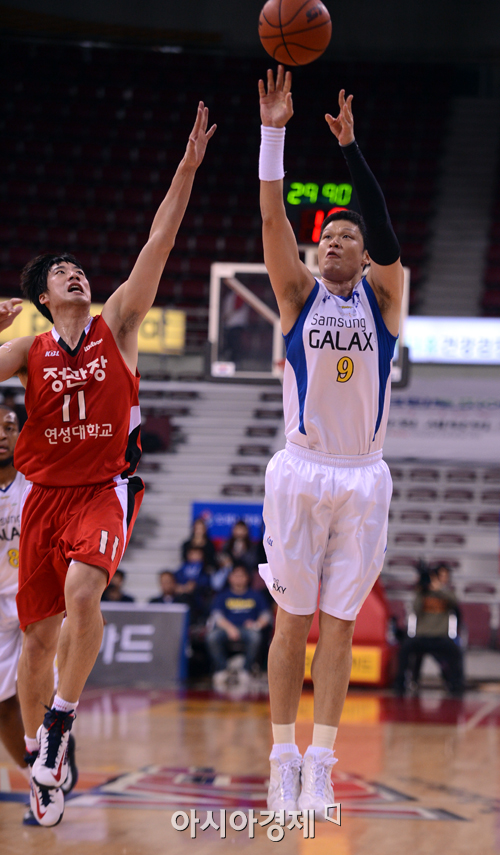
488 804
479 715
203 789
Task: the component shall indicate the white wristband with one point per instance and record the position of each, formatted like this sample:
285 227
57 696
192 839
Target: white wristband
272 147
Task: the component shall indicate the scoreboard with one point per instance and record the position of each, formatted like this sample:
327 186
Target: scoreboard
308 203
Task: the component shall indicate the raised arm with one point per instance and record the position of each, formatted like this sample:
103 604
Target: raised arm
13 354
291 280
386 273
125 310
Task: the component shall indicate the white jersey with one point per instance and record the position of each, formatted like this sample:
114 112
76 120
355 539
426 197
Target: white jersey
336 385
10 524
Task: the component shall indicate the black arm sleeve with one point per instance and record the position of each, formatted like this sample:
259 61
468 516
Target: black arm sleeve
382 243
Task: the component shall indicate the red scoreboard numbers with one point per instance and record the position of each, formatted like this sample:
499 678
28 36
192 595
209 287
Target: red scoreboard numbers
308 205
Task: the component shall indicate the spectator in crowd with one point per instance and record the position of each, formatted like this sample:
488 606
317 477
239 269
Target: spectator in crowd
443 573
434 603
240 548
199 538
238 614
191 574
193 585
168 587
218 579
114 592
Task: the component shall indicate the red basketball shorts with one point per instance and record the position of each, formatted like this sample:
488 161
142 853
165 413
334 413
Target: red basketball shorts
59 525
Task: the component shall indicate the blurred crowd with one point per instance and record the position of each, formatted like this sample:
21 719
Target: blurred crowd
231 614
231 610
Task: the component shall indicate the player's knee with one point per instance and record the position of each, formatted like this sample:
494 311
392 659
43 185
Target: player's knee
84 587
340 631
292 630
39 647
81 601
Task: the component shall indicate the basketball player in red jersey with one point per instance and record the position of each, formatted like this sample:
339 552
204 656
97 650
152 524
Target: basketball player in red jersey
79 448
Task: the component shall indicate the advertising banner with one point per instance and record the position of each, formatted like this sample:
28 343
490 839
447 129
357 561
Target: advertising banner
447 418
142 644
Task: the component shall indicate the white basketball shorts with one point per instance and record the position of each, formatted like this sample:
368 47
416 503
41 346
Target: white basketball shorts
325 529
10 651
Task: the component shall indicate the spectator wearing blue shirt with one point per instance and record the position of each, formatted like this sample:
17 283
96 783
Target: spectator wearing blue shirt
238 614
192 585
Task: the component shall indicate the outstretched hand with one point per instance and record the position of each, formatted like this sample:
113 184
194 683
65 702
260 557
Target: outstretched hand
343 126
199 137
9 312
276 106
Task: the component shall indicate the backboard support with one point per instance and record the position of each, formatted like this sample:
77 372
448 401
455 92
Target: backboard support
244 331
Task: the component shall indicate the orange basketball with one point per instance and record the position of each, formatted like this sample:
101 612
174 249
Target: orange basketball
295 32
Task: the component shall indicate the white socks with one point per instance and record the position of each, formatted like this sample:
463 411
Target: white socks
283 733
59 704
63 706
284 748
31 744
324 736
284 738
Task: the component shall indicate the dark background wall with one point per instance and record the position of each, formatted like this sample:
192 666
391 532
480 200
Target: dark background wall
456 30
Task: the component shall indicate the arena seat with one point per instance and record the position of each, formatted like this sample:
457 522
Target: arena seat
237 489
261 431
109 175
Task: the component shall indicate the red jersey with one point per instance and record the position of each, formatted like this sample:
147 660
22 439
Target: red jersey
83 411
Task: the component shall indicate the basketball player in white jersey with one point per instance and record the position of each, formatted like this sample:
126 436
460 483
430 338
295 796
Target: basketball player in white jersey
12 486
328 492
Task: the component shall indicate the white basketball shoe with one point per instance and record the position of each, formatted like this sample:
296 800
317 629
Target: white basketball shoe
317 787
46 804
50 768
284 783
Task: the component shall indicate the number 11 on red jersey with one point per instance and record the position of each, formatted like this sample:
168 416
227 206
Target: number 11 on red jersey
82 414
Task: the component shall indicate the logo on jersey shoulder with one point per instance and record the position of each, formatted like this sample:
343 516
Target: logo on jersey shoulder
270 541
92 344
277 587
52 353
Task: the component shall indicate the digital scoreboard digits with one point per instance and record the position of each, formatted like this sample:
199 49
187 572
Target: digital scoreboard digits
336 194
308 205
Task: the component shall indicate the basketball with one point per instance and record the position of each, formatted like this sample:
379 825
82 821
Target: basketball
295 32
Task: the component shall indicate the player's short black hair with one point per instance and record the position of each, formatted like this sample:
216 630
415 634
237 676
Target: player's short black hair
34 278
352 216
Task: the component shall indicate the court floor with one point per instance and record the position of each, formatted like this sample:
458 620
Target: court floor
418 775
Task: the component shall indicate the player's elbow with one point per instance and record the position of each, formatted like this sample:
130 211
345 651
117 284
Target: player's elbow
160 244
